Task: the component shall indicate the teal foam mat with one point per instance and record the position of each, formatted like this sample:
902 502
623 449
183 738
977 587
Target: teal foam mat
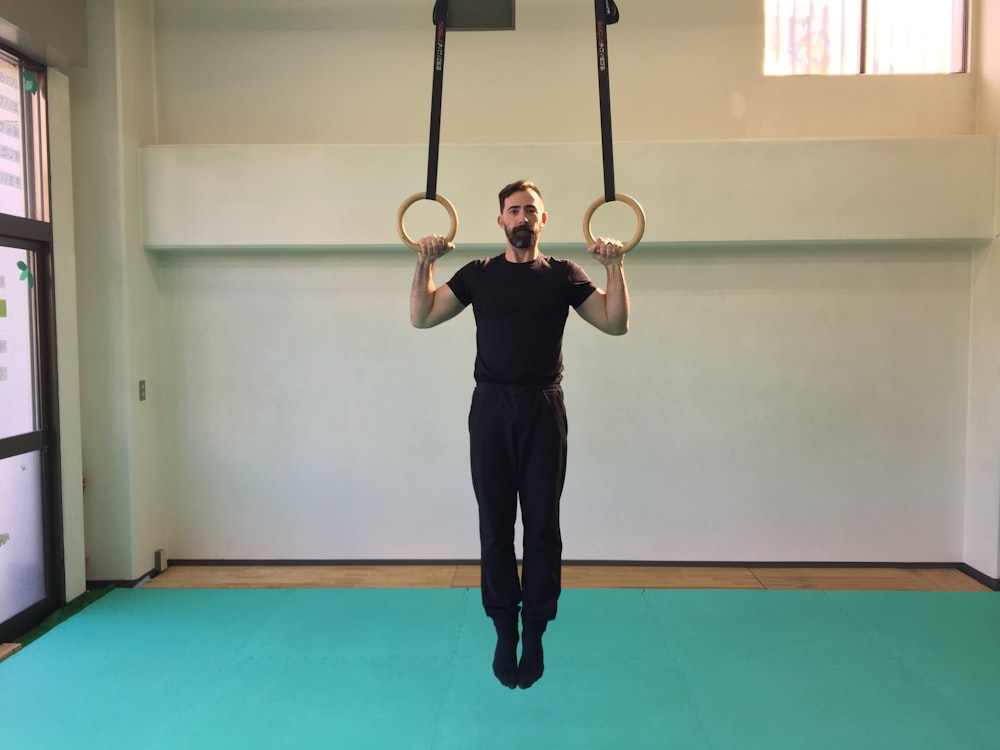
410 669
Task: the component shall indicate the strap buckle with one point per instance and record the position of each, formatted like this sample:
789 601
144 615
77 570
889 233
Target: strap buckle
610 12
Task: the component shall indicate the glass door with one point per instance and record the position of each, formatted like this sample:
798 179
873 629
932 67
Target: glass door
31 576
22 540
30 579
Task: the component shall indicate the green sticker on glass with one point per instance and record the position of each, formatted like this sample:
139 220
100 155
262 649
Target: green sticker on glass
30 82
3 308
26 274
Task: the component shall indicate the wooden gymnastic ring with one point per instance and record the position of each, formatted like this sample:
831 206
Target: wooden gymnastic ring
640 218
421 196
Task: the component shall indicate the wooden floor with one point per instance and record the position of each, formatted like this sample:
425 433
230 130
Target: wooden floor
574 576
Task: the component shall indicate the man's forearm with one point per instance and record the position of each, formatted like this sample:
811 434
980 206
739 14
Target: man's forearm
422 292
616 299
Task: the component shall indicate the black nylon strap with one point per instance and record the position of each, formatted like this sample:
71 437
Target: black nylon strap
605 13
440 18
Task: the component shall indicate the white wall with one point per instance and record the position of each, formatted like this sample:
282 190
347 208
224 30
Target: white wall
67 337
804 400
137 109
314 71
803 403
104 375
113 106
781 395
982 518
988 67
54 32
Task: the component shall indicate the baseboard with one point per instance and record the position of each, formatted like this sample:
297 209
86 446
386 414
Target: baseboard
315 563
121 584
987 581
991 583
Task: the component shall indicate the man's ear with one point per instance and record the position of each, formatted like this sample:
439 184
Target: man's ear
545 218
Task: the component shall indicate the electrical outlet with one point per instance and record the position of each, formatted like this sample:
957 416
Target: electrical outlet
142 390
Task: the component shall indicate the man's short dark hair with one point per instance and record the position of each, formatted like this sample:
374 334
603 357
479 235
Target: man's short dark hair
517 187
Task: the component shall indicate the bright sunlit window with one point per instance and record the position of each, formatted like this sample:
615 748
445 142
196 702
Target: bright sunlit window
848 37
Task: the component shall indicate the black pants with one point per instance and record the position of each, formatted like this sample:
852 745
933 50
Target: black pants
518 450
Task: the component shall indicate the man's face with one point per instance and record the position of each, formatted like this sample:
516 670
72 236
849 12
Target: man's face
522 219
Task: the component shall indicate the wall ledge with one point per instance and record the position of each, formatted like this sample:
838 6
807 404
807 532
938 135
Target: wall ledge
960 244
320 197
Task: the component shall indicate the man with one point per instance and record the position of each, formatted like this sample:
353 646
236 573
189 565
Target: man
517 422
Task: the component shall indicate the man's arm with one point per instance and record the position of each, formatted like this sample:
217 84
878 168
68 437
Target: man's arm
608 310
431 305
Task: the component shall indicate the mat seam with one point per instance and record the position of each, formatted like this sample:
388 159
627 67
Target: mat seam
436 736
699 717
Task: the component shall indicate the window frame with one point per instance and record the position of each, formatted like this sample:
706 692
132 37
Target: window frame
963 14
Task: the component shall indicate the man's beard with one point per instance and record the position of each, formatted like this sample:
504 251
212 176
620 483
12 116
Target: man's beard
522 237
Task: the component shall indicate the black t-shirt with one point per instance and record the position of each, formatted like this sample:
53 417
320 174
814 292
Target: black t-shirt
521 311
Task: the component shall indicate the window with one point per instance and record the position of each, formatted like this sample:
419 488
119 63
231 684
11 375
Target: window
844 37
23 159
